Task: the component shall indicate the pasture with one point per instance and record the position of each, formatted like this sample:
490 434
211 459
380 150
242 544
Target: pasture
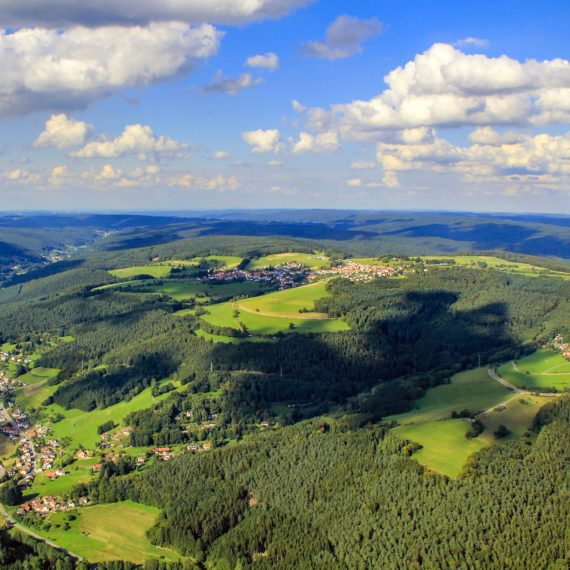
186 289
81 427
156 271
316 260
473 389
78 472
490 262
37 390
274 312
109 532
444 446
542 369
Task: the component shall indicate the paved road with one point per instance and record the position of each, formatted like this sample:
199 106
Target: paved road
493 374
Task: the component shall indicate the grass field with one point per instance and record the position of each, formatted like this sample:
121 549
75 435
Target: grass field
477 261
474 390
227 261
445 448
157 271
109 532
185 289
517 416
542 369
272 313
37 391
81 427
79 472
311 260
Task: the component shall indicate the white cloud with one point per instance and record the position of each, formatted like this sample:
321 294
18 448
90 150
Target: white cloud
276 163
268 61
220 155
58 13
363 165
344 38
472 41
232 85
538 158
194 182
322 142
263 141
134 140
444 87
354 182
63 132
109 172
51 69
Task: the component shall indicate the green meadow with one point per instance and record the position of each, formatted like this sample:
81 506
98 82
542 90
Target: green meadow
542 369
81 427
156 271
185 289
444 446
37 390
273 312
311 260
78 472
473 389
109 532
490 262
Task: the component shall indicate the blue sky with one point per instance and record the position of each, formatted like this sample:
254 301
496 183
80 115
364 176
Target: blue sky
381 105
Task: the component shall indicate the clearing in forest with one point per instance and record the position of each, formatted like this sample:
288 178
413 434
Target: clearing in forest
445 448
316 260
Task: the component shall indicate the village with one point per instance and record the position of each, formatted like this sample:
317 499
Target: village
560 345
293 274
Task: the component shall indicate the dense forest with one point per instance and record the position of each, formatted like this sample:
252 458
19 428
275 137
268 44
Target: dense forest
322 495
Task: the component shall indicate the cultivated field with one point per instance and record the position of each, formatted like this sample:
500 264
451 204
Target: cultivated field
542 369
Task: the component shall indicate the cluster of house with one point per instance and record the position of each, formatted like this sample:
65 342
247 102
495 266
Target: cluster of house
18 424
8 384
206 446
560 345
46 505
16 355
284 276
163 453
357 272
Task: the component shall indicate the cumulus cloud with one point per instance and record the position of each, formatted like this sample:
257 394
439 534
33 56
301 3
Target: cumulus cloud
268 61
444 87
344 38
220 155
538 158
231 85
219 183
322 142
58 13
354 182
51 69
138 140
63 132
263 141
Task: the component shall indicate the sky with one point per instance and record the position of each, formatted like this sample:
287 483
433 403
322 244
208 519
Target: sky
377 104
